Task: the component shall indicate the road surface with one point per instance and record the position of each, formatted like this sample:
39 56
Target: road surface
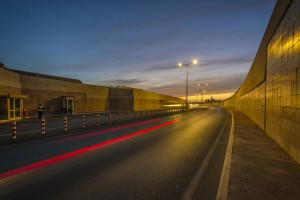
173 157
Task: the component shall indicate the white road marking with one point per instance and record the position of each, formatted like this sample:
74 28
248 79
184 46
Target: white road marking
190 190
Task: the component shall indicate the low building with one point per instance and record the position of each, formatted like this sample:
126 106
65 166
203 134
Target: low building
21 92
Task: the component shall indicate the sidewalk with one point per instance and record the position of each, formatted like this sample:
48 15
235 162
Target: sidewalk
260 169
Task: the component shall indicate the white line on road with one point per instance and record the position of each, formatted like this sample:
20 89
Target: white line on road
223 185
190 190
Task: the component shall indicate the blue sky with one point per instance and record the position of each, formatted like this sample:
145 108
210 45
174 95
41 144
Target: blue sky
136 43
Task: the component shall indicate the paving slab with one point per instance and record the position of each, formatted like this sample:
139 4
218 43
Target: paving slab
260 169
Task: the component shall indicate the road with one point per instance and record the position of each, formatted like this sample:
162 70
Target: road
159 158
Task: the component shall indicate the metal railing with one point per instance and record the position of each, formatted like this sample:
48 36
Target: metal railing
51 126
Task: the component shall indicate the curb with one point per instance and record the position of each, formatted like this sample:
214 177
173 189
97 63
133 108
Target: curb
223 184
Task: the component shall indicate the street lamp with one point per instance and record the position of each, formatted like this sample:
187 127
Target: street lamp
202 85
187 80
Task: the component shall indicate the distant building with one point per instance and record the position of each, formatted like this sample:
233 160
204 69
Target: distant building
21 93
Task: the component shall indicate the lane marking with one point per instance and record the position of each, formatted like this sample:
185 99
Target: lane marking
190 190
71 154
223 185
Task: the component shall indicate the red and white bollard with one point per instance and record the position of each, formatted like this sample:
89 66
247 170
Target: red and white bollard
43 126
66 123
98 120
83 121
14 130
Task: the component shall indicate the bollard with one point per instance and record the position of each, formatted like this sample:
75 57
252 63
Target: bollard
14 130
109 118
127 116
83 121
66 123
98 120
119 117
43 126
134 115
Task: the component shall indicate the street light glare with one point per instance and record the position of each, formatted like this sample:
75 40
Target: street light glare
195 61
179 64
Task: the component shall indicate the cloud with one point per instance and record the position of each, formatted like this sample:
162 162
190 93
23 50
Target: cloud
123 82
206 65
219 84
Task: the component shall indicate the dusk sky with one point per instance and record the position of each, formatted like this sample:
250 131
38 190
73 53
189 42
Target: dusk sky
136 43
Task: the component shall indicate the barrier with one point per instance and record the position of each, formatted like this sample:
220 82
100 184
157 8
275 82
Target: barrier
43 126
83 121
66 123
14 130
98 120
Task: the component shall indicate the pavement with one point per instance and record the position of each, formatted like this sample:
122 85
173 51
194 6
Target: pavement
259 168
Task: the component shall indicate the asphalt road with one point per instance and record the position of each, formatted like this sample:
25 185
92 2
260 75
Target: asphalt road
158 158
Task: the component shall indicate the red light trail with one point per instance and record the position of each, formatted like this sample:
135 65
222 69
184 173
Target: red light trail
71 154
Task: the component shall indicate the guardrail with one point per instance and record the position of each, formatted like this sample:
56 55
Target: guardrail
59 125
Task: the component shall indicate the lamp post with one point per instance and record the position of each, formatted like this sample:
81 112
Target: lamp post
202 85
187 80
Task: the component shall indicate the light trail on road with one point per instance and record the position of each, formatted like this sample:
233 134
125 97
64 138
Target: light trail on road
133 165
81 151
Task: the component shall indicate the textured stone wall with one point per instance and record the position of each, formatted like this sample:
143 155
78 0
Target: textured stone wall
253 103
283 83
273 100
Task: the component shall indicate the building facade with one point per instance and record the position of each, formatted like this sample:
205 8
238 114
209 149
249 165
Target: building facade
21 93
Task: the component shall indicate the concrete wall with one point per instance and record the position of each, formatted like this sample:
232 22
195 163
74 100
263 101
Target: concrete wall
49 92
9 82
270 94
144 100
283 83
121 99
132 99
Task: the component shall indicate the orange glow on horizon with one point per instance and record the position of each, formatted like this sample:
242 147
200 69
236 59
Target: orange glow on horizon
216 96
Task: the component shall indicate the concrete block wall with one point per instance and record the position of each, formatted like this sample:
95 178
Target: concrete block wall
274 101
253 103
283 83
9 81
144 100
49 92
121 99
